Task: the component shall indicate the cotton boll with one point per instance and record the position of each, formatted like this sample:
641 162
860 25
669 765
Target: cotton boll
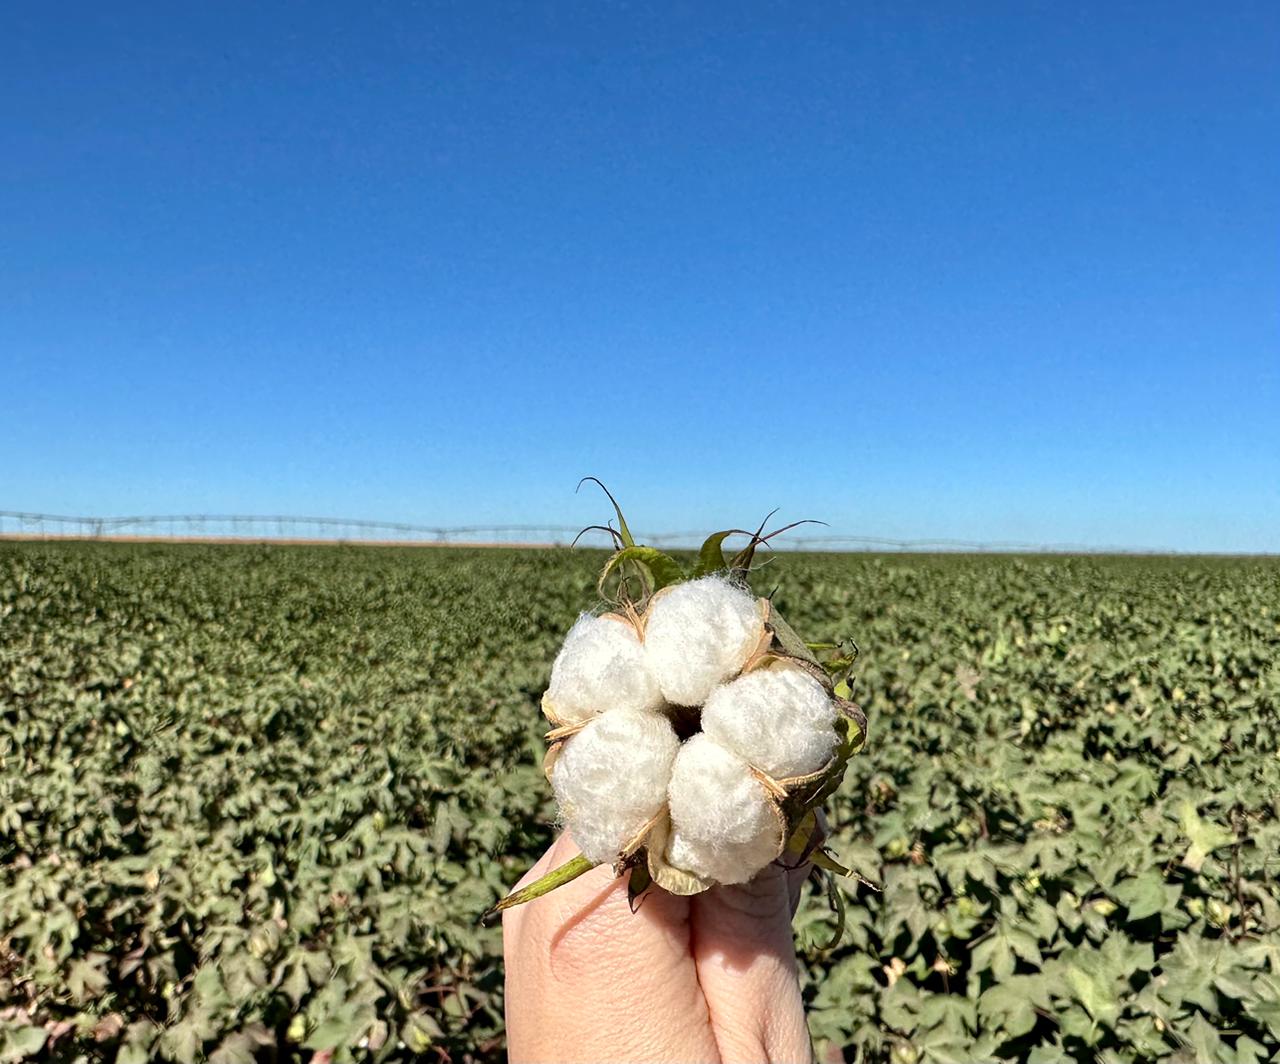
779 719
724 825
699 634
601 667
611 777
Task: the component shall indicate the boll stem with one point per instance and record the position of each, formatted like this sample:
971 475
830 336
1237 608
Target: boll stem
557 877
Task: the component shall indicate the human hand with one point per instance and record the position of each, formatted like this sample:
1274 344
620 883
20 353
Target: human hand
710 977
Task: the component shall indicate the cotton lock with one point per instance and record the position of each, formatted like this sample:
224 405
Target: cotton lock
724 825
699 634
600 667
611 778
779 719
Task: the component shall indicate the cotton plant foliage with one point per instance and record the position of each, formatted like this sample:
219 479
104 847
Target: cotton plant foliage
694 734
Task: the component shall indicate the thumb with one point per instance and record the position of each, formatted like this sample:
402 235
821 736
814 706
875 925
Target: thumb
745 957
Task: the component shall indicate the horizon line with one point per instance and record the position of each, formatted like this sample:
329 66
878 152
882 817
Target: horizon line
289 528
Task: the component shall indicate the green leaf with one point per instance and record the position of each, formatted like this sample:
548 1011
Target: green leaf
994 953
237 1048
1205 836
1055 1053
85 977
1024 944
419 1032
20 1042
1142 895
950 1012
1266 1011
335 1032
182 1042
1248 1051
296 984
1008 1005
1203 1038
1094 992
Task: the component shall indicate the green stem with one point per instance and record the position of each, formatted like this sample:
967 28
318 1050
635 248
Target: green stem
557 877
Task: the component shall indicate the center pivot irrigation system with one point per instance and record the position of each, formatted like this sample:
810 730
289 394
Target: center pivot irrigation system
22 524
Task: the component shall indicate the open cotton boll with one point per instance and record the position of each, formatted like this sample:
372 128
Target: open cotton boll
601 667
723 824
697 635
779 719
611 777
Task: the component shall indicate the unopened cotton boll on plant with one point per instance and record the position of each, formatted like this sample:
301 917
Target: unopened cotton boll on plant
694 734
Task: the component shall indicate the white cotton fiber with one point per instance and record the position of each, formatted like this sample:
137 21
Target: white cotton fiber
612 777
723 823
699 634
601 667
780 719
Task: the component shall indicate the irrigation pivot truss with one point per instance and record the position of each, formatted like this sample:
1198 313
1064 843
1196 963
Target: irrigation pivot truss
270 527
20 524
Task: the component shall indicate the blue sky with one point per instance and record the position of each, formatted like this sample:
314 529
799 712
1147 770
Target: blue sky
996 271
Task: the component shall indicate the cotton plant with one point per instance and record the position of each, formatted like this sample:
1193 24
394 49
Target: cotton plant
694 735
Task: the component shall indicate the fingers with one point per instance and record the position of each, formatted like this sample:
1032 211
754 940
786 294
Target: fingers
587 979
707 978
745 957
